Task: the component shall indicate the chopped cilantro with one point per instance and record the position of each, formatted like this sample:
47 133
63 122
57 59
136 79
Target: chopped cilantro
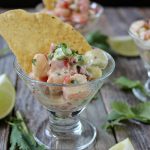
50 56
74 82
34 62
62 45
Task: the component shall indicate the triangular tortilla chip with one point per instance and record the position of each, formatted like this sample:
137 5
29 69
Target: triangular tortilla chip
31 33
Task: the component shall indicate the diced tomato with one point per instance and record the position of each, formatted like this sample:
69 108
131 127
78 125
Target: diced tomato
65 4
44 79
67 79
62 4
66 63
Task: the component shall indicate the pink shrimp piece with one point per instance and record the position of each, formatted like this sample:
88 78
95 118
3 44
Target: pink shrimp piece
57 65
62 12
40 66
79 18
84 6
69 1
62 4
57 77
77 92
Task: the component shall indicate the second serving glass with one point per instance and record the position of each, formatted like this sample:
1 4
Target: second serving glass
144 51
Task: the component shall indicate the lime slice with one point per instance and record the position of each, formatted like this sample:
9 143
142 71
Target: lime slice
7 96
124 145
123 45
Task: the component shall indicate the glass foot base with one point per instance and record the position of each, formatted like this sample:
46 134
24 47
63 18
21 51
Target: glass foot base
140 95
147 86
143 95
82 137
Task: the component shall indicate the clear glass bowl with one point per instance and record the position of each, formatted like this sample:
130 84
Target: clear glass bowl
64 104
144 51
93 18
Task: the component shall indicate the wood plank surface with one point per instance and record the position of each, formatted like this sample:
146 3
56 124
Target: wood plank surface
112 22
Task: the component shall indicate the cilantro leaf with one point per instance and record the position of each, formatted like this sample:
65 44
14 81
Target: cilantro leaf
113 116
100 40
126 83
122 108
34 62
122 111
142 110
111 124
14 137
21 138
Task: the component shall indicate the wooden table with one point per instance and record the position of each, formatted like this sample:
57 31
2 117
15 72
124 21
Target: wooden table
114 21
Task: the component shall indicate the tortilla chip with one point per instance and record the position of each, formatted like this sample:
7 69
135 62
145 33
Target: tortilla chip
31 33
49 4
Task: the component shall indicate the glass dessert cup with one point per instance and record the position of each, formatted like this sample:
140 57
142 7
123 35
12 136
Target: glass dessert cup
66 130
144 51
92 21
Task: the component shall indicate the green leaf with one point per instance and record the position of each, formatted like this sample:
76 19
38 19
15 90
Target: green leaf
113 116
62 45
111 124
99 40
127 84
96 37
122 111
21 138
142 111
122 108
14 138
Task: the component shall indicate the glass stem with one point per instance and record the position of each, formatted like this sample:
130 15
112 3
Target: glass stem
61 125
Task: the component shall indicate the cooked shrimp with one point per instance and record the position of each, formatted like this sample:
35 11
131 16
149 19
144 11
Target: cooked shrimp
57 77
69 1
77 92
79 17
62 12
62 4
58 65
40 66
84 6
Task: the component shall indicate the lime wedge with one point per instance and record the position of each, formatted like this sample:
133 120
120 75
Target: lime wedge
123 45
124 145
7 96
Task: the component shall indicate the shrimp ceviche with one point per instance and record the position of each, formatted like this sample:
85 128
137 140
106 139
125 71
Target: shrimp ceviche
73 11
65 66
141 29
